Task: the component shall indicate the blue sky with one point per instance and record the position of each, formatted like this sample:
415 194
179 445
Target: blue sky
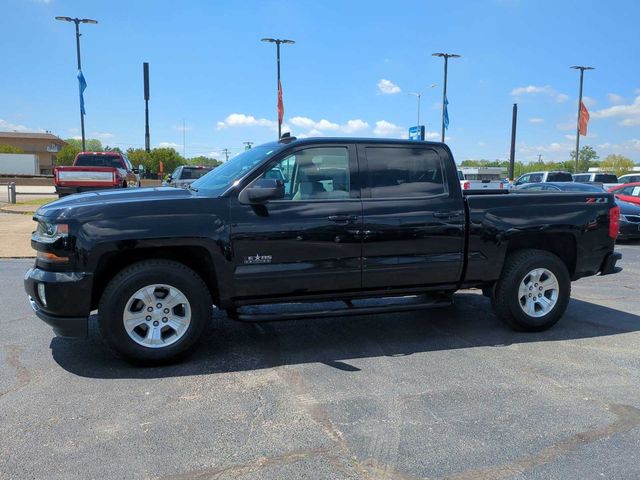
348 74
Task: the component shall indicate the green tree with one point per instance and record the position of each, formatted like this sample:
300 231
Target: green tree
10 149
91 144
67 155
169 157
107 148
618 164
139 156
587 158
204 161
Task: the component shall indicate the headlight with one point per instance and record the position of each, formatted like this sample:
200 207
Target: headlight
624 219
50 232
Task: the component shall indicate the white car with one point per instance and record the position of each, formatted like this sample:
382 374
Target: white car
542 177
607 179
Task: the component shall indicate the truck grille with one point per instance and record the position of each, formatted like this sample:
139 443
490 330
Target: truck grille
633 218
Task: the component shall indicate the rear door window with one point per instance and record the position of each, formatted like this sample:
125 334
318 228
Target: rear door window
561 177
605 178
402 172
535 177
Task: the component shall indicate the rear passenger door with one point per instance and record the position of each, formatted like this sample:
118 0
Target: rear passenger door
413 214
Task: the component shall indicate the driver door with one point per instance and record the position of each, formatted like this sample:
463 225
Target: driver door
309 241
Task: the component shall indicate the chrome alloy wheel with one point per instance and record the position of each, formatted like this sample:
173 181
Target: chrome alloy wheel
538 292
157 316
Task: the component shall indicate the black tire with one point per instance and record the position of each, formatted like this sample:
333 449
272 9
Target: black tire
506 301
126 283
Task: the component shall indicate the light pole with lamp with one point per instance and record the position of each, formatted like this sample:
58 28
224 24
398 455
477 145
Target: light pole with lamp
278 42
446 57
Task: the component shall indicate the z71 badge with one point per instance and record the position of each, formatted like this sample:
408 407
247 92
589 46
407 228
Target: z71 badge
252 260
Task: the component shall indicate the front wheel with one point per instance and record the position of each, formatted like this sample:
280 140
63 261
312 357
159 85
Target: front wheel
533 291
154 311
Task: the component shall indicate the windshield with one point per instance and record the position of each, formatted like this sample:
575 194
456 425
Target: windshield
221 178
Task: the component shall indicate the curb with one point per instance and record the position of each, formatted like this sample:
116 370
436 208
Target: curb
18 211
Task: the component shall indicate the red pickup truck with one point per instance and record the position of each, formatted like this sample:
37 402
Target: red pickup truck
95 171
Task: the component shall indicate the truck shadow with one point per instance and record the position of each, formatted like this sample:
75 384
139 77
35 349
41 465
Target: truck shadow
235 347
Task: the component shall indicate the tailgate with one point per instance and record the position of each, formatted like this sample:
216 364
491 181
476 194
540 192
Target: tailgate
85 176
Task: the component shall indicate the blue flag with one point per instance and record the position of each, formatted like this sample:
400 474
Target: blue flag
83 85
446 113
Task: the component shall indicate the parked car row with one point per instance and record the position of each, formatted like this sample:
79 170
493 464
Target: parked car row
629 205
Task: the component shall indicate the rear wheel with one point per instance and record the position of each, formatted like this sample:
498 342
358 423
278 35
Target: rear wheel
154 311
533 291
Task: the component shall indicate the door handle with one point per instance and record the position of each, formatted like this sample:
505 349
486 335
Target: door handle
450 214
343 218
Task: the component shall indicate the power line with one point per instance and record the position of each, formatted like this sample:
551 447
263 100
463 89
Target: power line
226 152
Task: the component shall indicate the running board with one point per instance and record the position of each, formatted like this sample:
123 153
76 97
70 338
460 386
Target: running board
291 311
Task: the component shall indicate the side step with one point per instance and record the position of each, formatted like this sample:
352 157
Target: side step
290 311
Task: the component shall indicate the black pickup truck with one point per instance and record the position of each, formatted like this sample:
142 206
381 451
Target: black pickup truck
334 226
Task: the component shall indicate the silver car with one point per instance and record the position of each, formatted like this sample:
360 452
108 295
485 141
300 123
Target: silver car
184 175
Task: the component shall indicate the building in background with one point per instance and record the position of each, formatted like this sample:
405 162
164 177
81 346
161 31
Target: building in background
45 145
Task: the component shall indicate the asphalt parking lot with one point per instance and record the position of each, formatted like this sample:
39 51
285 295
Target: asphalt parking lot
447 393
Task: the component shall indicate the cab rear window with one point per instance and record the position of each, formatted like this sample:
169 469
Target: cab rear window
559 177
605 178
113 161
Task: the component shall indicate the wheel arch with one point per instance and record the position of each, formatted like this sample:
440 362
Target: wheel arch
195 257
563 245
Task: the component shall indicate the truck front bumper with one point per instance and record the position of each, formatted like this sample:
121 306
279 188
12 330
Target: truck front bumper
60 299
609 264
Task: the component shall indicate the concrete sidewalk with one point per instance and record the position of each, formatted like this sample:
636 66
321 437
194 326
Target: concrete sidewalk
15 235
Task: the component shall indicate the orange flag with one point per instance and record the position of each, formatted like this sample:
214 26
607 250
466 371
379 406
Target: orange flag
584 119
280 103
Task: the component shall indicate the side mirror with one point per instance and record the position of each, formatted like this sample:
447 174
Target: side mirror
265 189
136 171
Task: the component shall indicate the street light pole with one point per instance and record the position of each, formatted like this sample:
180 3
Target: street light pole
78 21
278 41
418 95
582 69
446 57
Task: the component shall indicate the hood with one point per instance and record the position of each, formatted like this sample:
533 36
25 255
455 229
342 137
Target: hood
116 203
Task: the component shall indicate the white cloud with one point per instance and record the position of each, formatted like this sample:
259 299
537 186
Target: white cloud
353 126
388 129
169 145
615 98
629 114
242 120
387 87
568 125
13 127
103 135
304 122
319 128
588 101
432 135
536 120
630 122
535 89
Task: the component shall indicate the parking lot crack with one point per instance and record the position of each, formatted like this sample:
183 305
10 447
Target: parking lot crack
627 418
23 376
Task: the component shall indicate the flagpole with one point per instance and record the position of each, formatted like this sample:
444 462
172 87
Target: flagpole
444 89
582 69
77 22
278 41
